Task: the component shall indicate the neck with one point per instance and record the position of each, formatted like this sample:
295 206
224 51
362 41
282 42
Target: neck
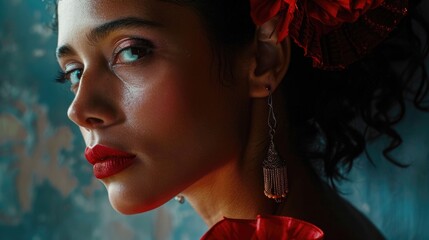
229 192
235 190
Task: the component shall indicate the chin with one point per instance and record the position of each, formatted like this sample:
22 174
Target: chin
130 207
128 202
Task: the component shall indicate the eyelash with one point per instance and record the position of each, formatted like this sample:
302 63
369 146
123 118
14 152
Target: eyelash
60 78
142 45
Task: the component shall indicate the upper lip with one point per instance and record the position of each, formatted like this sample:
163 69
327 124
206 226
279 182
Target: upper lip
100 153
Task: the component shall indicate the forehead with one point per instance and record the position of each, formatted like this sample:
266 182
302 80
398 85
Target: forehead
75 17
105 9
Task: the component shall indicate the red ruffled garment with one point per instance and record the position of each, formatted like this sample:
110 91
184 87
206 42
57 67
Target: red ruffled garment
264 228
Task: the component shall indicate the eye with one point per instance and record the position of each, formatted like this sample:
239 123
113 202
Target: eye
73 76
130 55
132 50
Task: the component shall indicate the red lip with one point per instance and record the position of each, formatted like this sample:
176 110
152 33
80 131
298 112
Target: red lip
108 161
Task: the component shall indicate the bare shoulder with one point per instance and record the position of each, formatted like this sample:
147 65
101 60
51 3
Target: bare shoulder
319 204
344 221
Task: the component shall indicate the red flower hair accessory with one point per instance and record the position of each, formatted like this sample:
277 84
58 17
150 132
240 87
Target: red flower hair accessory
333 33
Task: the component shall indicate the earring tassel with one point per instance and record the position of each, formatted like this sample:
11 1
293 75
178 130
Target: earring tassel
275 176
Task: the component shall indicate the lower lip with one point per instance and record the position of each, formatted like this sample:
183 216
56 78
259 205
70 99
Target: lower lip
112 166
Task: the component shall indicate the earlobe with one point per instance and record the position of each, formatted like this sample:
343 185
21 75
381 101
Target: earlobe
271 61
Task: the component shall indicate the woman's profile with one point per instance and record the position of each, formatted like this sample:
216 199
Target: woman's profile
249 109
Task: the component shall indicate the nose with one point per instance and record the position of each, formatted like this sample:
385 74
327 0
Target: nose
96 103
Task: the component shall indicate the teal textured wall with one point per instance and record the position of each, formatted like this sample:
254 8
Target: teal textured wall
47 190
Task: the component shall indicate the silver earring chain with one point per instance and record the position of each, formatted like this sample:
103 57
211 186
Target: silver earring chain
272 121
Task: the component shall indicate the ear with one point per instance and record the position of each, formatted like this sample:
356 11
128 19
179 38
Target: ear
270 61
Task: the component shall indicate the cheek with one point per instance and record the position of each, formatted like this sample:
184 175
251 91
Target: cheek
168 114
185 119
172 104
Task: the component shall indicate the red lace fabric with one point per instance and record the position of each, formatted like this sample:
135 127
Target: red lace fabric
264 228
333 33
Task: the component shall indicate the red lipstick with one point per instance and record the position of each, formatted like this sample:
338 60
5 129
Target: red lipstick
108 161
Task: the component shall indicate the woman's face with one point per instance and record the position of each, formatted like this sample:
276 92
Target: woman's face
145 82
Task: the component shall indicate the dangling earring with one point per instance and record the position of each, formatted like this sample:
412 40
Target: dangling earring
275 172
180 199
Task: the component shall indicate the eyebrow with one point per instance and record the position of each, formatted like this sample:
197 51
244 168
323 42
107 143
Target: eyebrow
64 50
107 28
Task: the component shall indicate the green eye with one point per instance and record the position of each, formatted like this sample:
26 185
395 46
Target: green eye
74 76
131 54
132 50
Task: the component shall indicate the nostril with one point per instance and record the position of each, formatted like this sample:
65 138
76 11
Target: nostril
94 121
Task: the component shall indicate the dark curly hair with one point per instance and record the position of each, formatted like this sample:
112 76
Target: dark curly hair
335 113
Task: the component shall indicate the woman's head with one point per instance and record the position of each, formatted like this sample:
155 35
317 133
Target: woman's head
146 80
